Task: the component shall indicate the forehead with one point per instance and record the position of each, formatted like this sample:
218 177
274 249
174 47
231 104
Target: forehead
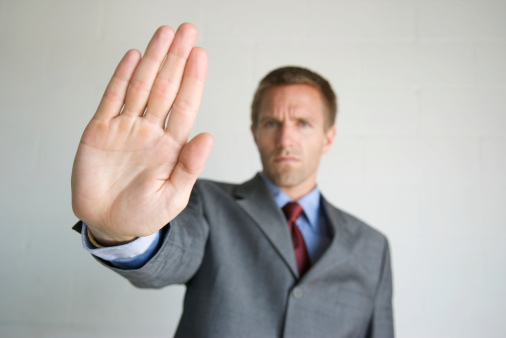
294 99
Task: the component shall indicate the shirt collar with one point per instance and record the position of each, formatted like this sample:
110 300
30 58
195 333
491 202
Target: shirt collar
310 202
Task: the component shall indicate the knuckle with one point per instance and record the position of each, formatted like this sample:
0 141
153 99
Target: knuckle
111 95
139 86
164 89
184 105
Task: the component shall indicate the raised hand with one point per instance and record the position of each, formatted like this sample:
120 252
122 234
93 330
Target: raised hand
132 174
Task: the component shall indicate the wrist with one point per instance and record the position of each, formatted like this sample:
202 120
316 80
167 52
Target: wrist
101 241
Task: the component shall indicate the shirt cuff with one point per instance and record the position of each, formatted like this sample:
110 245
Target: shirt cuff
131 255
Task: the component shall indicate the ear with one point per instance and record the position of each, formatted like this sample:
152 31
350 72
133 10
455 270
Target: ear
328 139
253 132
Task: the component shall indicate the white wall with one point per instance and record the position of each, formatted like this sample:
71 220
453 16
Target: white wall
420 152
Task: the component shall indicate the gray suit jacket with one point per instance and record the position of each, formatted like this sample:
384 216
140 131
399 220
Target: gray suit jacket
232 249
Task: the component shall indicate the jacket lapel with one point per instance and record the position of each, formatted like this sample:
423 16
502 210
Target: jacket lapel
339 249
256 200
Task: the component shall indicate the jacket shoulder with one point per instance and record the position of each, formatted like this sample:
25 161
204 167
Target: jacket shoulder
206 184
353 226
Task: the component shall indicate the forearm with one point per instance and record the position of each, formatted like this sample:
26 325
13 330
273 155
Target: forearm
178 253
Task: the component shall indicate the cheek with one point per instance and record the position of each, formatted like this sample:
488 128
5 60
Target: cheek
264 140
314 146
263 146
314 152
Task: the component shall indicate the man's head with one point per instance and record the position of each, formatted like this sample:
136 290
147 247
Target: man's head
296 75
293 113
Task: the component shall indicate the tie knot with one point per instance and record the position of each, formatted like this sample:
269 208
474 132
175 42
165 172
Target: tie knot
292 210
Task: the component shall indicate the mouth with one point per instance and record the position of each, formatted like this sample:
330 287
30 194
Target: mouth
286 159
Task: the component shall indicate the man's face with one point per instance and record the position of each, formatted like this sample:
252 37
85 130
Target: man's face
291 137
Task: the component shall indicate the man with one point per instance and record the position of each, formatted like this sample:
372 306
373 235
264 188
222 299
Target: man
248 273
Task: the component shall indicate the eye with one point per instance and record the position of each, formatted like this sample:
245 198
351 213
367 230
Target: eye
303 123
270 124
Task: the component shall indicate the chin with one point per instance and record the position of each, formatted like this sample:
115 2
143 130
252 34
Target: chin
285 179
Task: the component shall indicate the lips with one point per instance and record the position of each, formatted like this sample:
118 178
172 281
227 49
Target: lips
286 159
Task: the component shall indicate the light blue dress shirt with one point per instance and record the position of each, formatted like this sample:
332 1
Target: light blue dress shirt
132 255
312 223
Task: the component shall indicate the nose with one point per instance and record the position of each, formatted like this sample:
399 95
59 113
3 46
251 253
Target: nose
285 136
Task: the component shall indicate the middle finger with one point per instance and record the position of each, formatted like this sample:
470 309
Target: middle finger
139 87
168 81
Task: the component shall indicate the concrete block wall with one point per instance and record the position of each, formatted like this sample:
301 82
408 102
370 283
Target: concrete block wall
420 152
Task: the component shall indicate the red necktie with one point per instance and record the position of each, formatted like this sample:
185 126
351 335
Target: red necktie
293 210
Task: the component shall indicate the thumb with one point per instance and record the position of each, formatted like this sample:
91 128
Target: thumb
191 163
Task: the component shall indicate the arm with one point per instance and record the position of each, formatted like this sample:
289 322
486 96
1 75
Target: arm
132 173
179 254
132 255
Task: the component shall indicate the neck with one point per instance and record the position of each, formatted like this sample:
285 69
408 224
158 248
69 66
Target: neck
293 191
296 193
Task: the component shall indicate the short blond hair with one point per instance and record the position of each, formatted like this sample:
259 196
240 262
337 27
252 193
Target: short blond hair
295 75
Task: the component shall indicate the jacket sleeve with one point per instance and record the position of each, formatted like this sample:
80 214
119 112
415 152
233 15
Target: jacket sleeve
180 253
382 325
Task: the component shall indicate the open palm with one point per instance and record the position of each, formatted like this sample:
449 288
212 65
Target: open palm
134 169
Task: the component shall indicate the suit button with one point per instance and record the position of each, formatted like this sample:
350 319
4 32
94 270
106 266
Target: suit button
297 293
